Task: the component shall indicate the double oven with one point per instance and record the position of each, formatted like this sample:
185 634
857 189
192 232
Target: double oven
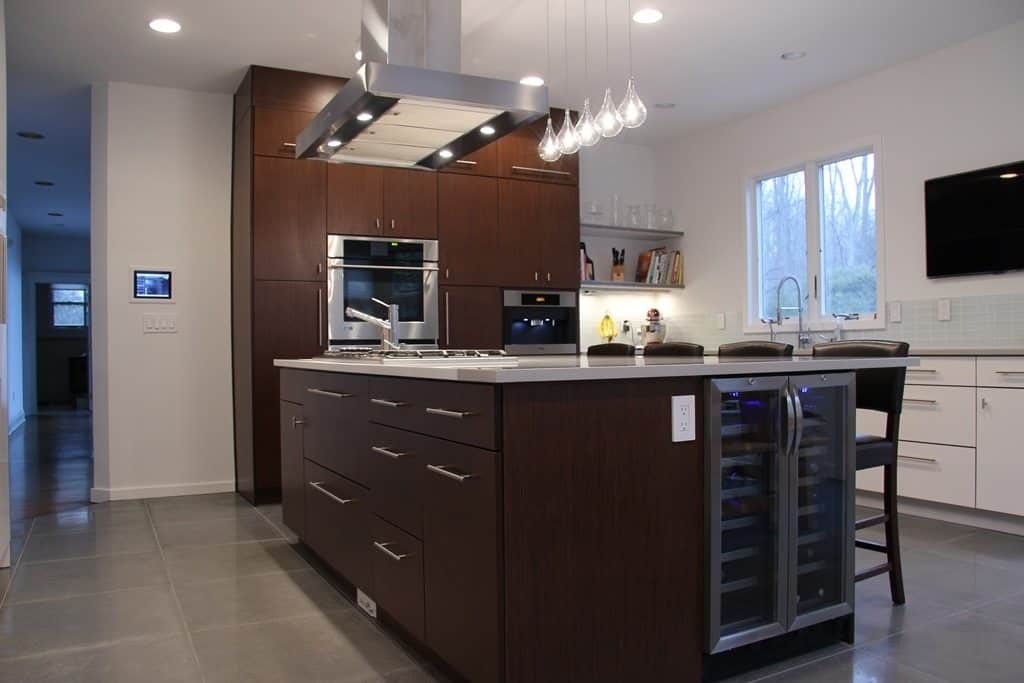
395 271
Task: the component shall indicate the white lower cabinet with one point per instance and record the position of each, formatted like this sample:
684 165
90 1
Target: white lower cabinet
942 474
1000 450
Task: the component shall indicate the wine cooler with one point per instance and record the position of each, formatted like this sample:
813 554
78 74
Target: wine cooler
780 515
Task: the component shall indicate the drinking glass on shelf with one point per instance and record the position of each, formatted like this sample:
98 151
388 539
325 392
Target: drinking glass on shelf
664 219
595 212
634 216
649 210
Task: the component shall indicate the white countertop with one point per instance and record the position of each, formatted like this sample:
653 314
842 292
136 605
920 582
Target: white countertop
576 368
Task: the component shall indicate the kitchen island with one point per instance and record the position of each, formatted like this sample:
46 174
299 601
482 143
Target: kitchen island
575 519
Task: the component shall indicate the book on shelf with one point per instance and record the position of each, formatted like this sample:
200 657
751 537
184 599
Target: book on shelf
660 267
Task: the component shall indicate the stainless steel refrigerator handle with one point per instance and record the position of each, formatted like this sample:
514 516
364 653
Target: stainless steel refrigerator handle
798 410
790 420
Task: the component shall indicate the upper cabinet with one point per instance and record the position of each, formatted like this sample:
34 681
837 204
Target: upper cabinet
468 230
285 89
275 131
288 227
376 201
538 234
517 155
484 161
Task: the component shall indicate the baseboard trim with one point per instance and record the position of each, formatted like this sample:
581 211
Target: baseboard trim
992 521
103 495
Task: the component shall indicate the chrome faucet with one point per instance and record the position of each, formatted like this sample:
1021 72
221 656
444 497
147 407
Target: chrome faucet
388 328
803 340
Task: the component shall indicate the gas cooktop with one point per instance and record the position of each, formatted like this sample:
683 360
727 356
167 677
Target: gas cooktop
442 356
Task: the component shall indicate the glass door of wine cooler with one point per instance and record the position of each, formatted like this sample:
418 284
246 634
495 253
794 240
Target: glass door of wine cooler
822 505
748 490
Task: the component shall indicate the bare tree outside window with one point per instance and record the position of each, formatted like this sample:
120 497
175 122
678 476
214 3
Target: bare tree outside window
849 255
782 239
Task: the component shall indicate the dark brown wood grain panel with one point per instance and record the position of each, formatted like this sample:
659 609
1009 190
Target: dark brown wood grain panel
415 402
289 219
396 470
339 532
483 162
355 199
560 236
468 230
294 90
517 155
336 423
410 203
398 575
471 317
519 233
276 130
603 533
293 481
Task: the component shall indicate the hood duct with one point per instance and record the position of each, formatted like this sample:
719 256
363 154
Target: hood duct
408 105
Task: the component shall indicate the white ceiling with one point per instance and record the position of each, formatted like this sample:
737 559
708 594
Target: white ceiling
715 59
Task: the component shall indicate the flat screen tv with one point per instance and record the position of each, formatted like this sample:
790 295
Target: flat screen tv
975 221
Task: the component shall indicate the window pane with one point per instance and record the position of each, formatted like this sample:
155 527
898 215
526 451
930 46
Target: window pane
781 240
68 294
849 264
68 315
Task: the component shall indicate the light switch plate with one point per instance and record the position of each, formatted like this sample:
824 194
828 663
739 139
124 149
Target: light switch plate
895 312
683 409
945 310
366 603
159 323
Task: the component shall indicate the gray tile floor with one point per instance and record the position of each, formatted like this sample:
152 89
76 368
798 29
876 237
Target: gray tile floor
207 588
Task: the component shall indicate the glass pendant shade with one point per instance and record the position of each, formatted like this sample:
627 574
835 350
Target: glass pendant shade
632 110
586 127
568 140
608 120
548 148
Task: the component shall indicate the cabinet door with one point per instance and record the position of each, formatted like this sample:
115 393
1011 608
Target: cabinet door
483 162
355 199
460 532
287 322
275 131
293 481
560 252
1000 465
748 493
821 505
519 232
471 318
468 230
336 423
288 226
410 203
517 155
338 525
398 575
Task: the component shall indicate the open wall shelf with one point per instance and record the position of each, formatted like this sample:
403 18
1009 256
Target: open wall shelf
629 233
602 286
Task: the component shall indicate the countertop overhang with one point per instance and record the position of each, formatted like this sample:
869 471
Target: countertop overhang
583 368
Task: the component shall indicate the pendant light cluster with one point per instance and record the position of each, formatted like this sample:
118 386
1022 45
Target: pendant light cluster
609 121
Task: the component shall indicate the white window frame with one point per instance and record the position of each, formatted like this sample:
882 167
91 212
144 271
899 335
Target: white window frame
811 166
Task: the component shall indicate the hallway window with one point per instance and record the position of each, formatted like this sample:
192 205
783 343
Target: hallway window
70 305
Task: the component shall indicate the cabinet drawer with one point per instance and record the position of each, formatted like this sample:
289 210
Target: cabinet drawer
451 410
943 370
483 162
396 476
293 385
938 415
1002 371
398 575
940 474
338 524
275 130
336 421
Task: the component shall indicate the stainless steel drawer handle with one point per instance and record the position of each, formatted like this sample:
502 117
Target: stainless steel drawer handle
922 401
319 486
1010 372
383 547
289 145
387 403
297 422
445 472
915 458
388 452
930 371
548 171
465 162
457 414
330 394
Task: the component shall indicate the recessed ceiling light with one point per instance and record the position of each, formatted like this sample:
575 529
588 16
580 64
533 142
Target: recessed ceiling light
164 25
1009 176
487 130
44 183
334 142
445 154
359 55
30 135
791 56
55 213
647 15
365 116
664 105
535 81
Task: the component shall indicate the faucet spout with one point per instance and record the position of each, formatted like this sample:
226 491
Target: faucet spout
389 328
803 340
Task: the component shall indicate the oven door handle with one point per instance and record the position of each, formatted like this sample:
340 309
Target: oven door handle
432 268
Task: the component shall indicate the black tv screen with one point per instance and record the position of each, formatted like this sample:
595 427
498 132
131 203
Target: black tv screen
975 221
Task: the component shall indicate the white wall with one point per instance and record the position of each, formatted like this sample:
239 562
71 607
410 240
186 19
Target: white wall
15 366
612 167
954 110
161 188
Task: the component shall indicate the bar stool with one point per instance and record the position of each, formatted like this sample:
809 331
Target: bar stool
611 349
879 389
755 349
683 349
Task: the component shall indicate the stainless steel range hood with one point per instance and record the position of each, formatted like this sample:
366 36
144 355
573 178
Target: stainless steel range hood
408 105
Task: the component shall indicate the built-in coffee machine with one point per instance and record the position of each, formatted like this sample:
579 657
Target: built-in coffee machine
540 322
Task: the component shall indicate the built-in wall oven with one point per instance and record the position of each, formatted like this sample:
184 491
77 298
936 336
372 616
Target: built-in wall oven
395 271
540 322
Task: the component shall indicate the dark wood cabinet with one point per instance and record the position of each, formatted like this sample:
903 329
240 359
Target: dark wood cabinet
293 482
336 410
396 475
265 86
538 234
398 575
275 131
517 155
338 525
483 162
461 569
467 214
288 219
471 317
560 237
355 199
410 203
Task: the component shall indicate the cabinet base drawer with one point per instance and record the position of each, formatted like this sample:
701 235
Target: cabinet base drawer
398 575
942 415
396 476
338 524
454 411
1005 372
943 370
941 474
